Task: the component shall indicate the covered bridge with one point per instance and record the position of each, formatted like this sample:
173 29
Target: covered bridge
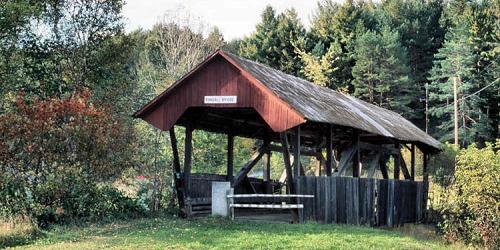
238 97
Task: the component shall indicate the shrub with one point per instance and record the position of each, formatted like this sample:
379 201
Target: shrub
472 209
442 165
56 157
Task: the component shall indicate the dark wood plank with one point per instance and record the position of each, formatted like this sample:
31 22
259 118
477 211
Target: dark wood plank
176 168
412 162
356 160
355 201
286 159
390 203
296 151
406 173
329 151
333 201
383 169
188 150
248 166
230 157
345 158
328 200
373 165
397 160
341 196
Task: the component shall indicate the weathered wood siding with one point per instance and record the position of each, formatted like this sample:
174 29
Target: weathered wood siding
218 77
361 201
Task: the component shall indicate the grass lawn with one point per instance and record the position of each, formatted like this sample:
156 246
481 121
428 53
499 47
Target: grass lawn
214 233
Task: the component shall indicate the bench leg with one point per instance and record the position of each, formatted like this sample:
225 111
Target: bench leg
232 213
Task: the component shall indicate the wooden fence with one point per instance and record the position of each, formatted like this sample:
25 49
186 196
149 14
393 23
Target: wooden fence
362 201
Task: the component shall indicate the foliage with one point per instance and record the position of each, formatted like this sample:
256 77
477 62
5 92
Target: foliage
472 204
455 62
54 152
442 165
381 74
275 41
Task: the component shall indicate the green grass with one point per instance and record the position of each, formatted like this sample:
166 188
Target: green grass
214 233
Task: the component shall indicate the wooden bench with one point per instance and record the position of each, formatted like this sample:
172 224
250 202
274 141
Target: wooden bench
233 205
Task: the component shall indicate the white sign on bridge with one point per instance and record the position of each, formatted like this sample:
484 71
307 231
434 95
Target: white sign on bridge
220 99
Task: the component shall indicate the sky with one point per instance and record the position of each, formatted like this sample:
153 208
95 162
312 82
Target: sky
234 18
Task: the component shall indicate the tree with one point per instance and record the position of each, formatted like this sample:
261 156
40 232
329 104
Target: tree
381 74
456 60
275 41
329 55
69 55
417 23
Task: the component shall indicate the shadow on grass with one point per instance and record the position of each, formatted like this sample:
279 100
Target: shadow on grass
18 237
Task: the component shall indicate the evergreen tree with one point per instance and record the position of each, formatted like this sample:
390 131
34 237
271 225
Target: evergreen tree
329 57
418 25
455 60
381 74
275 41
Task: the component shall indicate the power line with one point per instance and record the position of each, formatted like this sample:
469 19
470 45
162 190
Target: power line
485 87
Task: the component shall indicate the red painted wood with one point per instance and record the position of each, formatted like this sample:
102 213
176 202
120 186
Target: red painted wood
217 77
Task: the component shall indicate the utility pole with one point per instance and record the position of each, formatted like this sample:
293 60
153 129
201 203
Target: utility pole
455 107
426 108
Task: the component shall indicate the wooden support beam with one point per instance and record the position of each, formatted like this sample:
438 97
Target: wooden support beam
267 166
188 150
345 158
383 168
412 163
288 168
322 163
376 147
303 150
230 157
329 151
373 165
176 169
248 166
356 160
397 160
424 170
406 173
296 151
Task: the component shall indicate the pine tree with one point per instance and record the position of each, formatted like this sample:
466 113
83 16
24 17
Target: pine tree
275 41
418 25
332 38
381 74
455 60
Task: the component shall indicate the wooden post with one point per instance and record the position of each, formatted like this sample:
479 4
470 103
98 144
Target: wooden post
289 175
296 152
356 160
424 169
288 168
412 167
397 158
267 165
188 149
426 186
230 157
329 151
177 169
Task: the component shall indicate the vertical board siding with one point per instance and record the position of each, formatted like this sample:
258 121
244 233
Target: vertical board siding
220 78
361 201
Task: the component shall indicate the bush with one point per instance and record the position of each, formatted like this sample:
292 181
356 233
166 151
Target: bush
471 212
57 157
442 165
